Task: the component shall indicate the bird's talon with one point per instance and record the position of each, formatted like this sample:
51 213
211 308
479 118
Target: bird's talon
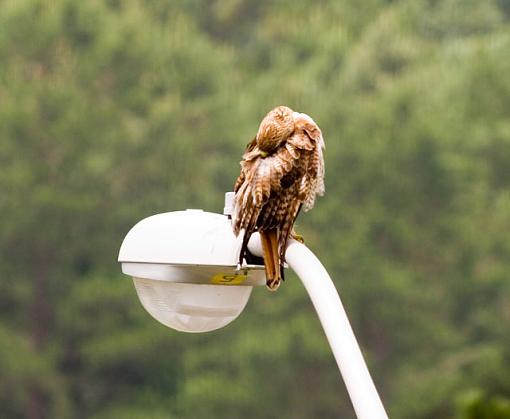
298 237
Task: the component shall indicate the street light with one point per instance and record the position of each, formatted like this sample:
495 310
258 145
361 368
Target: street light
184 268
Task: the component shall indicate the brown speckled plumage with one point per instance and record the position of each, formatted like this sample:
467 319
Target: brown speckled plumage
282 171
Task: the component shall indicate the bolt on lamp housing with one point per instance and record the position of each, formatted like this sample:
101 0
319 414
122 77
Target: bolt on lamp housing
184 268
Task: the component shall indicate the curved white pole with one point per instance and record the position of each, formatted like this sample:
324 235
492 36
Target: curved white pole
331 312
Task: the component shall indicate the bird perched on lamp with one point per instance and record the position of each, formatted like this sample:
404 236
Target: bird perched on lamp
282 171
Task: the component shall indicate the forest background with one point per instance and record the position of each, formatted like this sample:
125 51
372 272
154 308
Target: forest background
111 111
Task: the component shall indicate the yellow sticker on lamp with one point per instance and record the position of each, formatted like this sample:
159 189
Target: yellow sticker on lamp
228 279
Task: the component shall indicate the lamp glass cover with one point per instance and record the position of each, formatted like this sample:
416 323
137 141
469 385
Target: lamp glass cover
189 307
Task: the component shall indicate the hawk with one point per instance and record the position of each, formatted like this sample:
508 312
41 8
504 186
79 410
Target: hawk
282 171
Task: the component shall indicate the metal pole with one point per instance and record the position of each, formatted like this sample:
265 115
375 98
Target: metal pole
331 312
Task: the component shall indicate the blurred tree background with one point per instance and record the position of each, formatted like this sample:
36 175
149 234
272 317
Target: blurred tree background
114 110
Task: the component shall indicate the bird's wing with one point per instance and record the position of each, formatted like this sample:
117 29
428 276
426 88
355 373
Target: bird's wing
308 135
261 181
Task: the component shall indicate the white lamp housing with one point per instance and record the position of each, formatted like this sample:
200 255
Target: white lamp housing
184 268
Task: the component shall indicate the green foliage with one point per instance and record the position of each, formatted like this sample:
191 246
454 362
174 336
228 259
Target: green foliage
111 111
476 405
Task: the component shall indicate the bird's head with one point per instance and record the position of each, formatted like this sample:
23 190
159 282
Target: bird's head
275 128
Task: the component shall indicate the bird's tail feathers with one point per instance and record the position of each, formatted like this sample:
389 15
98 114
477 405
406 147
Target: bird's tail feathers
272 259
